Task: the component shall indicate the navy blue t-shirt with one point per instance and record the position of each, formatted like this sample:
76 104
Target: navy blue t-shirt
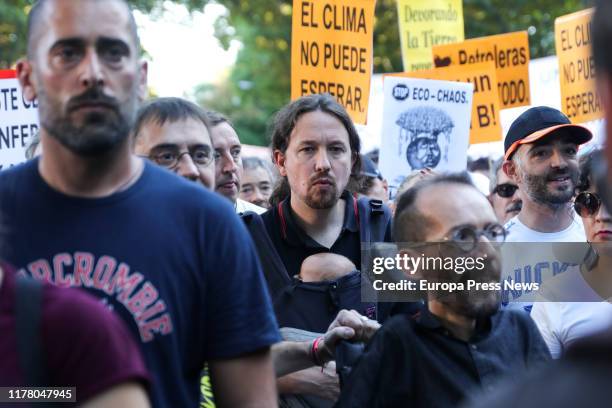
171 258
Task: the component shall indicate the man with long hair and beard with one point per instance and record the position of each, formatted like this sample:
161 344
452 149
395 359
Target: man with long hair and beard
315 147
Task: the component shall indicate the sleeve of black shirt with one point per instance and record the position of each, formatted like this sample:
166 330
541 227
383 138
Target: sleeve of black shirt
374 380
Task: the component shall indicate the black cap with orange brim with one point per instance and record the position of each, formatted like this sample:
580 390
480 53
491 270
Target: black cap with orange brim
538 122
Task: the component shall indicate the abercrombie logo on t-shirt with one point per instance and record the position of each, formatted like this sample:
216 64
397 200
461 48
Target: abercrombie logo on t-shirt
106 274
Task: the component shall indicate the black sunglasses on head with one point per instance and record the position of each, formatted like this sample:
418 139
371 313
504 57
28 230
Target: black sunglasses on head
587 204
505 190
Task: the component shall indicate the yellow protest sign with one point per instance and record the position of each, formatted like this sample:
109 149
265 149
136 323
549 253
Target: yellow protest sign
579 98
485 125
425 23
331 51
509 52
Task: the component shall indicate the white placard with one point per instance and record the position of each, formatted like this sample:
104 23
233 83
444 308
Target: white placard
18 121
426 123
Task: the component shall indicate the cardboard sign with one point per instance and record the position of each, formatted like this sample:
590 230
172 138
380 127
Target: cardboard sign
331 51
485 126
18 120
425 23
579 98
509 52
426 123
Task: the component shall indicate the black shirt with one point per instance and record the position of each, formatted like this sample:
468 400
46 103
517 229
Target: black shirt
294 245
418 363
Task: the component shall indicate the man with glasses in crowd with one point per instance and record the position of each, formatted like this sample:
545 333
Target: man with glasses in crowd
173 133
504 194
460 343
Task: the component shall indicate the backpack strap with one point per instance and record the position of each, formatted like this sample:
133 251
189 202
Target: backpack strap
28 306
274 270
374 220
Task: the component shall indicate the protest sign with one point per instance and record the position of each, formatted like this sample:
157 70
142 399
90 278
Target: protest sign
509 52
426 123
331 51
18 120
579 98
485 125
425 23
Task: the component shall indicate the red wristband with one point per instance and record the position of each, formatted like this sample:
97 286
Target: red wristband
315 351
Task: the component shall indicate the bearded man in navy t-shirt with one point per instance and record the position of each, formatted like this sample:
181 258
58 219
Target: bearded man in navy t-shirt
169 257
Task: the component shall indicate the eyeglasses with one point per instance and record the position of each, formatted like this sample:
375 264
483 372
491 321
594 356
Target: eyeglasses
505 190
466 238
587 204
202 156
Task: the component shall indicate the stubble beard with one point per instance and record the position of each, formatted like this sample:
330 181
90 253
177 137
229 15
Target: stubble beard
538 190
98 134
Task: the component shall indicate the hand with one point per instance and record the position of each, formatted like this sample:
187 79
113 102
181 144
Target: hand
323 383
348 325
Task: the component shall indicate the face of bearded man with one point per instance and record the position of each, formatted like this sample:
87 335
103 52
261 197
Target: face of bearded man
84 67
549 171
318 160
445 252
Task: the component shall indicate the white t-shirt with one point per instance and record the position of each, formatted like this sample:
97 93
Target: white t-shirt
562 323
531 256
519 232
243 206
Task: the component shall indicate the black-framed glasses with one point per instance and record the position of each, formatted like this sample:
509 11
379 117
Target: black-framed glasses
202 156
587 204
466 237
505 190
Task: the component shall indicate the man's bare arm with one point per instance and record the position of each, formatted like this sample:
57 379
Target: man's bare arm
315 381
244 382
291 356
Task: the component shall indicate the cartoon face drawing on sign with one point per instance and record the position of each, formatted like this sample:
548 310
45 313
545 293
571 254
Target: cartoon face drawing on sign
420 128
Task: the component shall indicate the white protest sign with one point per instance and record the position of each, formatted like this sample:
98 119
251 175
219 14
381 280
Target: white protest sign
426 123
18 121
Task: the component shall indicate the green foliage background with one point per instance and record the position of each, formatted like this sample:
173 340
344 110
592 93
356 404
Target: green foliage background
259 82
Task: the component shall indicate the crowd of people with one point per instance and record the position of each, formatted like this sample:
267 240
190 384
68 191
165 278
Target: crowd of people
146 262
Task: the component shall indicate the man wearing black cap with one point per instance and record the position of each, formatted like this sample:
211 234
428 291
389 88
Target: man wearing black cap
372 184
541 158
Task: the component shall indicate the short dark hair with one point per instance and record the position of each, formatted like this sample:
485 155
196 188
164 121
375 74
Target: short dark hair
409 224
287 117
585 164
601 29
216 118
162 110
34 21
